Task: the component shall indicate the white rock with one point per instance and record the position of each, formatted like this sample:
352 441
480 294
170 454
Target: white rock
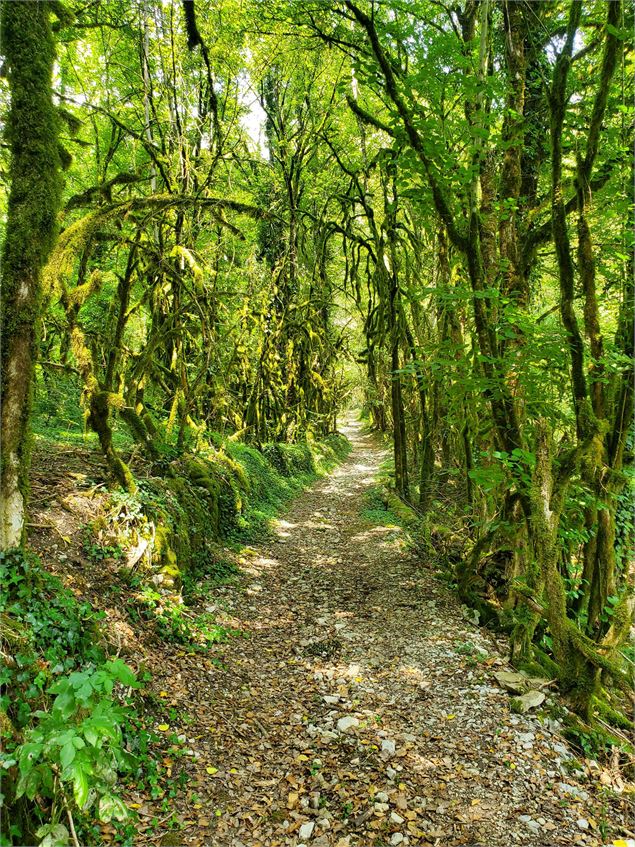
511 681
331 699
306 830
324 823
388 747
573 790
327 735
529 700
396 838
582 823
381 807
395 818
346 723
391 773
381 797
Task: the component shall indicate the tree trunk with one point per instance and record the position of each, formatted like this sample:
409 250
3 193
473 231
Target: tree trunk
36 185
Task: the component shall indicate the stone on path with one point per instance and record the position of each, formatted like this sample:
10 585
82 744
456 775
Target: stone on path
346 723
529 700
306 830
388 747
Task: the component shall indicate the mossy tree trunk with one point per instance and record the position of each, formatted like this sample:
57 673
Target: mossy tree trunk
36 185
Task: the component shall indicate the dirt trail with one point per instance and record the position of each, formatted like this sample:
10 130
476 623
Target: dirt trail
359 710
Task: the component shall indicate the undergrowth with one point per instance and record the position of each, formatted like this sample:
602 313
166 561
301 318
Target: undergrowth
64 707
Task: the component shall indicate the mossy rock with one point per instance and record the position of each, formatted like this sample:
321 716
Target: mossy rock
202 474
165 556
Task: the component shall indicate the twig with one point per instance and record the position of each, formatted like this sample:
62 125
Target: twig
614 730
72 826
49 526
70 817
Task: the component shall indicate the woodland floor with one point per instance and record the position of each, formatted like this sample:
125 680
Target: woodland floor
343 620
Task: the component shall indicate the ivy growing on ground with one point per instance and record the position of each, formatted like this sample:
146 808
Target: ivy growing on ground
65 708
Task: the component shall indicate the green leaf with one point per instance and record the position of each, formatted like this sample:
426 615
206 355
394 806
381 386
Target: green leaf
112 807
53 835
28 754
91 736
28 784
64 704
67 754
122 673
85 692
80 783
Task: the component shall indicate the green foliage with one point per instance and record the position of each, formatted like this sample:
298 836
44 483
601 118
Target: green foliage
96 552
594 742
173 621
76 749
49 631
231 293
276 474
66 698
377 511
206 572
516 466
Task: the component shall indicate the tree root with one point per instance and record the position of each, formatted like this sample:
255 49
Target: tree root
612 716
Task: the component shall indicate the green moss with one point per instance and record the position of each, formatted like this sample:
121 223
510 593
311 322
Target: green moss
612 716
546 662
515 706
532 668
31 131
593 740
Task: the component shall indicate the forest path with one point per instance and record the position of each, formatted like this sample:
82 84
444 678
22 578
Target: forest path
359 711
